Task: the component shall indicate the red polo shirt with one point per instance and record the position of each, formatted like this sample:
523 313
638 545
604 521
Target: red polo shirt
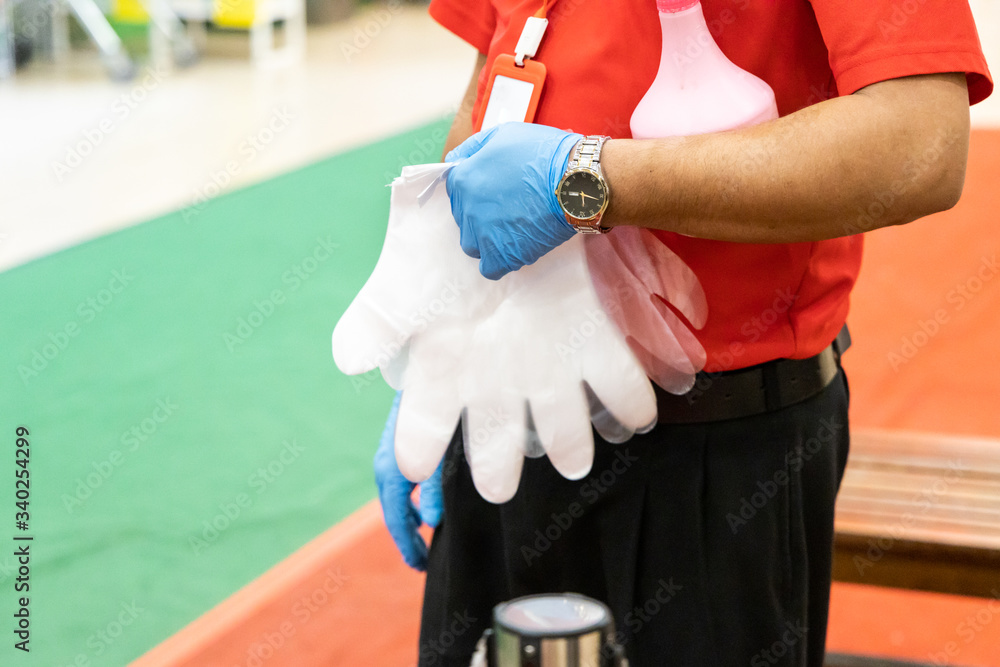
765 301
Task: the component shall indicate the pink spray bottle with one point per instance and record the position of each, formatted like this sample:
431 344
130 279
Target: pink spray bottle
696 90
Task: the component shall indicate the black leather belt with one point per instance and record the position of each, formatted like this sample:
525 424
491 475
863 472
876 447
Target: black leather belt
754 390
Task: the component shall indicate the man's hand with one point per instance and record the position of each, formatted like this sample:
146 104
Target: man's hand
503 194
402 518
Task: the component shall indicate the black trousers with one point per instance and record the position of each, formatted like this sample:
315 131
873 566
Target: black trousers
711 543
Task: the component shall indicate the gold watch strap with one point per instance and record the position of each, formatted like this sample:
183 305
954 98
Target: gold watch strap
587 153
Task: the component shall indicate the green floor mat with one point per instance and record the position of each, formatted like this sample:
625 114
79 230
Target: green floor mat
187 426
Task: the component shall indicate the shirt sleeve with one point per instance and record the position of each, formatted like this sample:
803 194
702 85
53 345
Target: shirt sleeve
875 40
472 20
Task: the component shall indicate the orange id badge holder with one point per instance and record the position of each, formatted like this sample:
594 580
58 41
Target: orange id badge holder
512 92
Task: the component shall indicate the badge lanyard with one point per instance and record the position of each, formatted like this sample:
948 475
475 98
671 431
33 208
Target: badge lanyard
515 83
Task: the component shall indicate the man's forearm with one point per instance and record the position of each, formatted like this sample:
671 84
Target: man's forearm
889 154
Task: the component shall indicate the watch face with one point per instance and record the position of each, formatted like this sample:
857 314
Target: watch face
582 194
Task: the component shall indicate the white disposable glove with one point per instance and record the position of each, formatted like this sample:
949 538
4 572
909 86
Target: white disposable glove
535 345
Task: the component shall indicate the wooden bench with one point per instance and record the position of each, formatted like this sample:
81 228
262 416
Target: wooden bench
921 512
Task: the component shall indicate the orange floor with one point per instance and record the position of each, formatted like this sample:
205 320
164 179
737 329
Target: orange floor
910 625
925 320
925 314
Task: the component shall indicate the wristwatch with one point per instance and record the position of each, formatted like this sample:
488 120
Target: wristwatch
583 193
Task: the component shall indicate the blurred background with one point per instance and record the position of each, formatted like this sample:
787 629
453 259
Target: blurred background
192 191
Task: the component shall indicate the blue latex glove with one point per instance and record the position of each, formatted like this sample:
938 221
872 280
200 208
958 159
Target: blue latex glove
503 194
402 517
